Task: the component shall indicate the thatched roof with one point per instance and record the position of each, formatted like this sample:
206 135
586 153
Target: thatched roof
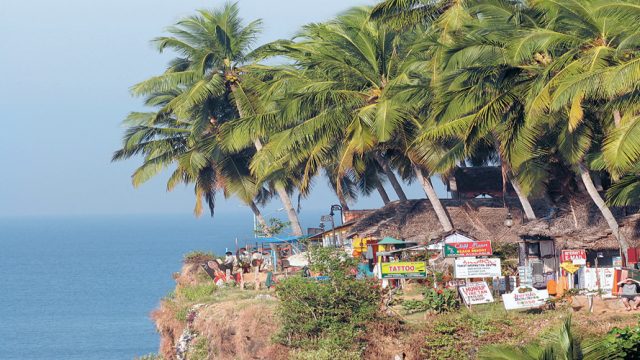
576 224
415 220
579 225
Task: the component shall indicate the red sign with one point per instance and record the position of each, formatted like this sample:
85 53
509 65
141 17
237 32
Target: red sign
573 256
468 248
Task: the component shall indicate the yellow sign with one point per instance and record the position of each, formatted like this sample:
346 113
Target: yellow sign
403 270
568 266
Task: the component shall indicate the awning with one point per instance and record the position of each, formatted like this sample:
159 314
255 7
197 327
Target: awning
281 239
391 241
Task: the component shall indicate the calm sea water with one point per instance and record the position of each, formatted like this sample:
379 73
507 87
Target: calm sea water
83 287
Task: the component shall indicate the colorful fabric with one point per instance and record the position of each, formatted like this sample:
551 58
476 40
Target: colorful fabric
552 287
562 286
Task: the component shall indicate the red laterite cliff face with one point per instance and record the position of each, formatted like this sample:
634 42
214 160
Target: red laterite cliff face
232 324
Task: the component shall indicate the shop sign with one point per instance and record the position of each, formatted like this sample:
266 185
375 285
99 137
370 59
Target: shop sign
577 257
468 248
477 268
526 275
403 270
524 298
597 279
569 267
476 293
617 262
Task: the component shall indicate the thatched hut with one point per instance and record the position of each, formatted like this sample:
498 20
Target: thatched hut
415 220
579 225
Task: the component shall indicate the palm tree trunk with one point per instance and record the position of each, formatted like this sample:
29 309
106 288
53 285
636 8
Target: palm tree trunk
524 200
259 217
507 174
291 212
286 201
602 206
441 213
392 177
342 200
382 192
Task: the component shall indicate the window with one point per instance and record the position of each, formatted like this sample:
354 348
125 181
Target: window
533 249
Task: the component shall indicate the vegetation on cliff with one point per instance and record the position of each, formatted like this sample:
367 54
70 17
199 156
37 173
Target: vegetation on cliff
346 318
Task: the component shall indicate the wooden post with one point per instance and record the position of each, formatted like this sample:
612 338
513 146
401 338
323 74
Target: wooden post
598 277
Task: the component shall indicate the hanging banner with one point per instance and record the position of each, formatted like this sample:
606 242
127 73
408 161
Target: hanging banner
468 248
403 270
524 298
477 268
577 257
476 293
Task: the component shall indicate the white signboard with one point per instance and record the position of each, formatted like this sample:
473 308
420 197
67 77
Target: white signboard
589 279
526 275
476 293
477 268
524 298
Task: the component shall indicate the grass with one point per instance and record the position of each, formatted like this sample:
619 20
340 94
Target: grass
198 257
199 349
460 334
197 293
184 298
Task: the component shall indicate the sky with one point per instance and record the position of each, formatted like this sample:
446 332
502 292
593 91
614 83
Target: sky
65 71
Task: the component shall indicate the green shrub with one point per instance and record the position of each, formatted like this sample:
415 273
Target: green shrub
198 257
326 315
435 300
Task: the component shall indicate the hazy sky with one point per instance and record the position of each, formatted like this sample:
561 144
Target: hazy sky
65 70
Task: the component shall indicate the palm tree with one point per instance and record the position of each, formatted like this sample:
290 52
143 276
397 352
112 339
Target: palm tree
476 89
585 42
213 46
349 100
164 141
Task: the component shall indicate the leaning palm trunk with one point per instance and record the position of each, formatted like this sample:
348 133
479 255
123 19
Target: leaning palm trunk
441 213
524 200
604 209
392 177
382 192
260 218
342 201
507 174
286 201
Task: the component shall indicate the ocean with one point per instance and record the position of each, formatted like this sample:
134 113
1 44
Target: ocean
83 287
